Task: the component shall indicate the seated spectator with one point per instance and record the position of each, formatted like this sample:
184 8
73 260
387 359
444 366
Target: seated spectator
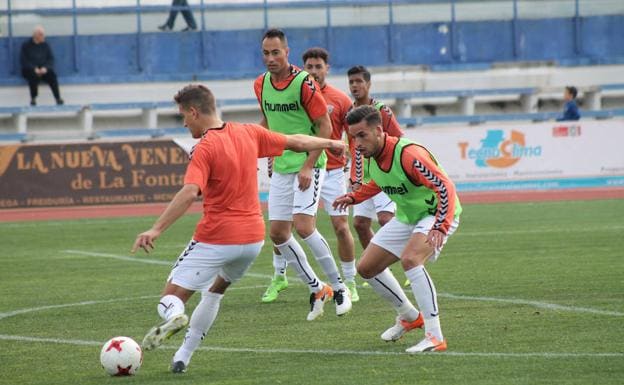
570 110
37 63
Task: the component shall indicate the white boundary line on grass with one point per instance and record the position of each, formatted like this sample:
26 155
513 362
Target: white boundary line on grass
97 302
142 260
542 305
539 304
6 337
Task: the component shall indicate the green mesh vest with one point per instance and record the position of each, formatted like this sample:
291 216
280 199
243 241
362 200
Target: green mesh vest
413 202
285 113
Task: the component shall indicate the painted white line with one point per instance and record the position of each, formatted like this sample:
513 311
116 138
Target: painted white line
60 306
78 221
587 229
118 257
542 305
6 337
141 260
97 302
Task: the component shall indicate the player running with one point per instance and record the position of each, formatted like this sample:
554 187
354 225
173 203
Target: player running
230 234
428 212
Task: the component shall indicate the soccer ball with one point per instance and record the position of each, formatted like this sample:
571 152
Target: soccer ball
121 356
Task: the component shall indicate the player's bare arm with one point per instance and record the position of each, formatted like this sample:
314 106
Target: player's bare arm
176 208
305 143
323 128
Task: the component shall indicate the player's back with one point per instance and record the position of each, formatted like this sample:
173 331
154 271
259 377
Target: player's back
231 206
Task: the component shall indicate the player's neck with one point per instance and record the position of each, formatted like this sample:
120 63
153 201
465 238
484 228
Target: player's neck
362 101
283 74
212 124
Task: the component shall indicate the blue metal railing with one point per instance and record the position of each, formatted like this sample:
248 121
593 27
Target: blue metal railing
266 6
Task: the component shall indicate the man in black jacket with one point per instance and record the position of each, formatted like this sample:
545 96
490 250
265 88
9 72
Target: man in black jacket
37 63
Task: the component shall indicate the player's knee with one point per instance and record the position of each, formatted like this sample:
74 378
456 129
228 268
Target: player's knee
304 230
341 229
278 236
384 217
411 261
361 226
365 271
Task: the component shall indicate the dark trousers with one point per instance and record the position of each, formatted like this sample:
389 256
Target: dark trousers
188 15
33 82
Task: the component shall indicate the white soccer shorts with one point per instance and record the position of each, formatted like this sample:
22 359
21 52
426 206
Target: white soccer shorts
285 198
199 264
334 186
394 235
370 207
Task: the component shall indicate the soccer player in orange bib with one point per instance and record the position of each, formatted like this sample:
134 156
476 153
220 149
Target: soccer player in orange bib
230 234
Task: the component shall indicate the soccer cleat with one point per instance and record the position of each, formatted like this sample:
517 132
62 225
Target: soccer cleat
155 337
428 344
395 332
353 290
278 283
317 301
178 367
365 284
342 299
407 283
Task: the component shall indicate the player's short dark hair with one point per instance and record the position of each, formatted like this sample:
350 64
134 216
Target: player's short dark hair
276 33
359 69
572 90
316 53
198 96
367 113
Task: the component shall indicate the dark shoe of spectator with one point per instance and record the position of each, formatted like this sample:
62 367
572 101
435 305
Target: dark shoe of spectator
60 101
33 102
188 29
164 27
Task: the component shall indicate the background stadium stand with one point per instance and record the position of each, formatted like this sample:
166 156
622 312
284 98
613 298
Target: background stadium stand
433 61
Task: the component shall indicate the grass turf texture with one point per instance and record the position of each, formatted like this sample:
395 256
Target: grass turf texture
563 253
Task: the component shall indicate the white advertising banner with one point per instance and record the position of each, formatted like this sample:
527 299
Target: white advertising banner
530 155
512 156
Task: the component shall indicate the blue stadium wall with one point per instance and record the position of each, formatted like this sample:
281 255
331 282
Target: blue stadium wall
235 54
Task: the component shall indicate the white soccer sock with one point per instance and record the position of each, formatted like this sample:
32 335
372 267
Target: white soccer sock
323 255
294 254
387 286
202 319
348 270
279 264
427 299
170 306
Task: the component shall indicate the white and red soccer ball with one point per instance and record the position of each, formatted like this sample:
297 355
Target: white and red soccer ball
121 356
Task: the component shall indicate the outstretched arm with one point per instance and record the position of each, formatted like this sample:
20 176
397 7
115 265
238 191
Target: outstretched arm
176 208
306 143
323 127
365 192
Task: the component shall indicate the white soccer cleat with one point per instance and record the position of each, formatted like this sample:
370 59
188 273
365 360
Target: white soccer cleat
317 301
155 337
396 331
342 299
429 344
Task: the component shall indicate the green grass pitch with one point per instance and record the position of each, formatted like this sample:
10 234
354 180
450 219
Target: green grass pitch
530 293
